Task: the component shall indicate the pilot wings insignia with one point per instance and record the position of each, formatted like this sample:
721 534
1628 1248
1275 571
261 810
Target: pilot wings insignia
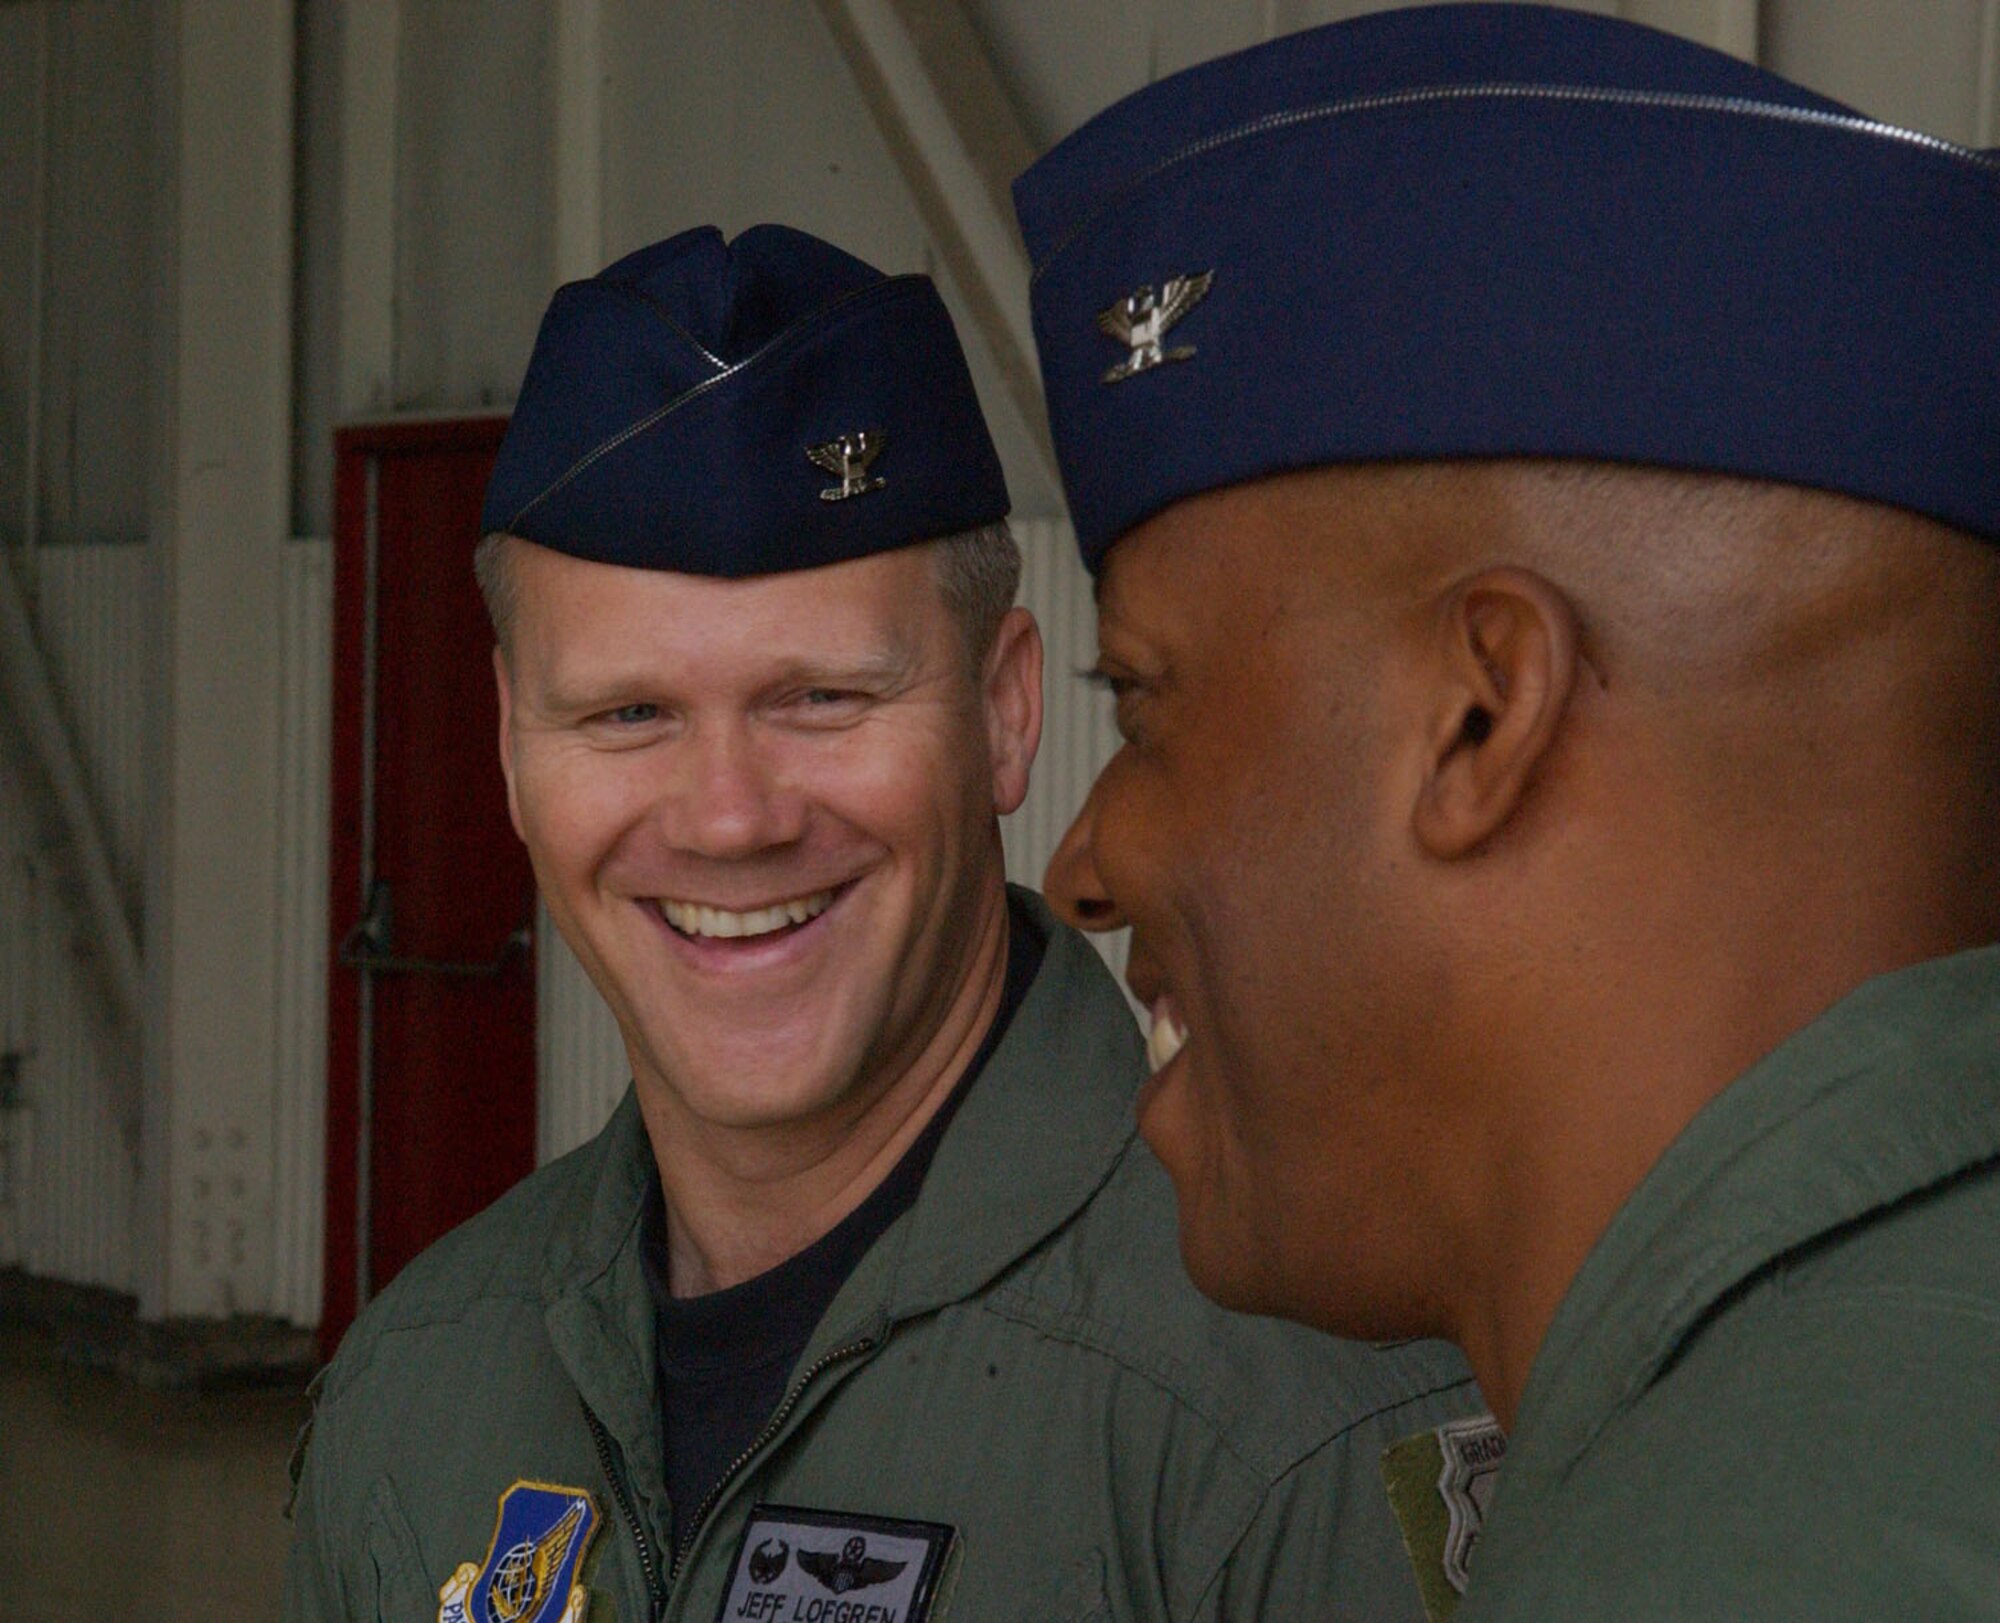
1140 321
852 1568
848 458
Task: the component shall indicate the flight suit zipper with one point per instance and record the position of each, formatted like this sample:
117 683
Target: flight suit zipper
771 1429
614 1478
658 1593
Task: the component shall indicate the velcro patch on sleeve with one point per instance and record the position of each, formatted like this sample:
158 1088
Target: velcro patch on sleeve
1440 1483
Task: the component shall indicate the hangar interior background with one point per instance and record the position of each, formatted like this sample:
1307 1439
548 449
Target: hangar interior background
232 225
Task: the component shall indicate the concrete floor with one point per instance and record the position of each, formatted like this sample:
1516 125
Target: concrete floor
119 1502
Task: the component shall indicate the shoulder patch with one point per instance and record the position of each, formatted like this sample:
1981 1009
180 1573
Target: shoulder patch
530 1574
1440 1483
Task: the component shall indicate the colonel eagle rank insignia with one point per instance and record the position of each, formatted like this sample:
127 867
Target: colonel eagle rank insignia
1140 320
848 458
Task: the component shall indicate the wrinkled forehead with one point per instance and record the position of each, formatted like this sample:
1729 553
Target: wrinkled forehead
881 613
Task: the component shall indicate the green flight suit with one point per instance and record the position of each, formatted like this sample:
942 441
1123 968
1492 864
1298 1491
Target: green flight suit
1019 1357
1773 1389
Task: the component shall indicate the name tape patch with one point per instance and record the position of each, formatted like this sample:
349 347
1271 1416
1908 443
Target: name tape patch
830 1566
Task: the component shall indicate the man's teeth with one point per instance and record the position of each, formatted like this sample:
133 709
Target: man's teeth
1166 1037
693 918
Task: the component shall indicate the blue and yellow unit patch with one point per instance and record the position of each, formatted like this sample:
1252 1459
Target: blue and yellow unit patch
530 1574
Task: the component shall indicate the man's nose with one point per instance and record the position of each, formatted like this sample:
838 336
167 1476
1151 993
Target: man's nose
1072 885
731 799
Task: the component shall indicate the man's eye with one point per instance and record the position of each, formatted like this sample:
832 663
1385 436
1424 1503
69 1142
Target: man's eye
832 702
1130 698
1108 681
633 715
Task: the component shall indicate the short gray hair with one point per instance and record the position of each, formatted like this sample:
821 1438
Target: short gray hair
497 585
977 572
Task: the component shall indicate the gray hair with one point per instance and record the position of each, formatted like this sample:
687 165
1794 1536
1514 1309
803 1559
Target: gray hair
977 572
497 585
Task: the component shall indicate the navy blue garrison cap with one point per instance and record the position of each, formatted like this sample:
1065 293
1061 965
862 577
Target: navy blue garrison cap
1501 230
742 408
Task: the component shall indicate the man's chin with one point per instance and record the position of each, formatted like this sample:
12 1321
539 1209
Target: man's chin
747 1086
1222 1266
1237 1277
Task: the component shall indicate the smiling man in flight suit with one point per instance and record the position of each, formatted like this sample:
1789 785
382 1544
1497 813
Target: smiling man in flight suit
1542 477
865 1304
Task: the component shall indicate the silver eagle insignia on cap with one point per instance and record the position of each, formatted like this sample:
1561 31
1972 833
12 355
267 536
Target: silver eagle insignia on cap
1140 320
849 457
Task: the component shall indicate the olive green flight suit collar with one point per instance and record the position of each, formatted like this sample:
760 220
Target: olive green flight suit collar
1036 1136
1890 1092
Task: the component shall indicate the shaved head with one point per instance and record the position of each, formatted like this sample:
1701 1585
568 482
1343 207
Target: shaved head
1572 790
1768 626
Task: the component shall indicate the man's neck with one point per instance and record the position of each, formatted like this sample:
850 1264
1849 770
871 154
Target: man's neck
741 1201
1597 1103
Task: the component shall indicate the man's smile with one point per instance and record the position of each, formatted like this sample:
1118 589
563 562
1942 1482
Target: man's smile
1166 1031
1167 1034
701 919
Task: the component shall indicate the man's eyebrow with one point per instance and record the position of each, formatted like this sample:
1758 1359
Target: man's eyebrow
559 696
885 664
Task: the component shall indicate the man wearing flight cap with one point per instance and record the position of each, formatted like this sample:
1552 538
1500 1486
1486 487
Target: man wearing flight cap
864 1308
1542 478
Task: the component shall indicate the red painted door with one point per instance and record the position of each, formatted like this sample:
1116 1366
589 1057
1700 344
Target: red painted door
431 1002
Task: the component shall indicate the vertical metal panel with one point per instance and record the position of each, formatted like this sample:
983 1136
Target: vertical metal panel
71 1168
18 959
91 606
1986 125
1056 78
475 184
1078 736
299 1119
92 313
1922 66
577 140
364 246
1728 25
580 1057
25 72
66 1210
80 1176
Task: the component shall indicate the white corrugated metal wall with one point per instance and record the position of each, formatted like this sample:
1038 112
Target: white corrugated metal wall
693 112
299 1067
67 1205
579 1056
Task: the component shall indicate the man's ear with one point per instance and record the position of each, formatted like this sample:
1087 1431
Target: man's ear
504 685
1508 665
1011 693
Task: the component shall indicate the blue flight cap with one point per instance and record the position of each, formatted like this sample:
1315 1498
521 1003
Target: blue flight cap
1507 230
742 408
